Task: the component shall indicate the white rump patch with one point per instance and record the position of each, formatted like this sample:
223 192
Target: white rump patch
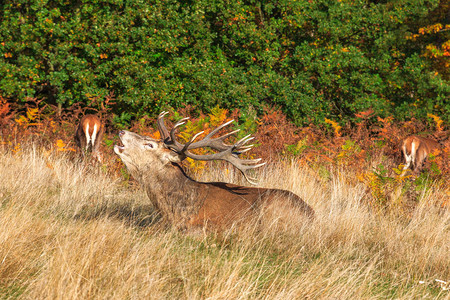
94 134
88 138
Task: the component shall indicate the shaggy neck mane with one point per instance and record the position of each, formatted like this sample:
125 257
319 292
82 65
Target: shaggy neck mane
173 192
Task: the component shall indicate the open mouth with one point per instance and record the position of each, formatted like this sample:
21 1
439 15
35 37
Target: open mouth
119 147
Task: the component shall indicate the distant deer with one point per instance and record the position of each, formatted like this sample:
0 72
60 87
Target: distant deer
185 202
416 150
89 135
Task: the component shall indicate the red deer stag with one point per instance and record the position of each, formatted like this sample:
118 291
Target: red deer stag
89 135
187 203
416 149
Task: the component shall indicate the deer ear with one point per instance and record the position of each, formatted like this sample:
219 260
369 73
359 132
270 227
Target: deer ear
170 156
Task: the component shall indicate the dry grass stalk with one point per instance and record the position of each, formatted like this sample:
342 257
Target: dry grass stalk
68 231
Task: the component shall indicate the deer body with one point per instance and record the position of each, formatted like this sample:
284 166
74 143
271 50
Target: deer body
185 202
416 149
89 135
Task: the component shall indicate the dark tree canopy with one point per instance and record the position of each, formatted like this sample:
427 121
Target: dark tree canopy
314 59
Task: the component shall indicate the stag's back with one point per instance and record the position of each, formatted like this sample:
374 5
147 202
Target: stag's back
225 203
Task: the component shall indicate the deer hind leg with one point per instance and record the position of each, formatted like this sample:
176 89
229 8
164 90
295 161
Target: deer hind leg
411 158
94 135
408 159
88 137
419 161
96 140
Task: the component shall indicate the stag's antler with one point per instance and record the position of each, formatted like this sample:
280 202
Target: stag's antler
226 152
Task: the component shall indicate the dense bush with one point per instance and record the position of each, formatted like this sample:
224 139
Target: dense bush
314 59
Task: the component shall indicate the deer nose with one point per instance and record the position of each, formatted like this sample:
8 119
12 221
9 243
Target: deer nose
121 133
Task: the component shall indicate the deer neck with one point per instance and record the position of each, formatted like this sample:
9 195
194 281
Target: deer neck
175 194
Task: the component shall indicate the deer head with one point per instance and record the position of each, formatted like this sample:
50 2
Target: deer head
141 152
169 150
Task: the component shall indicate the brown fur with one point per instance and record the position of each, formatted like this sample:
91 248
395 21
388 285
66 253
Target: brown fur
87 124
185 202
416 149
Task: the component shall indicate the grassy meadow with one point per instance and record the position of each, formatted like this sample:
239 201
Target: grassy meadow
71 230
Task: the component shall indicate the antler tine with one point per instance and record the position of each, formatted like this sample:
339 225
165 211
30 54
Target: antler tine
220 127
191 141
243 141
226 152
161 126
180 122
242 165
245 149
176 145
240 146
251 180
216 143
223 137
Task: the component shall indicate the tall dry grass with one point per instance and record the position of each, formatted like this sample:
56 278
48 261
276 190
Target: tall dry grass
73 231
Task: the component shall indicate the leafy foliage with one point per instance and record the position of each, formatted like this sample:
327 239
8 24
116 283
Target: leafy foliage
5 112
313 59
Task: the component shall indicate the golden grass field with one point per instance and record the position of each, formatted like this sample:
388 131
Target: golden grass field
69 230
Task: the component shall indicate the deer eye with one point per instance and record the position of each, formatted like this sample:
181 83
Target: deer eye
149 146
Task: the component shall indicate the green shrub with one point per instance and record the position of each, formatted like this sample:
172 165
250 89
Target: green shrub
314 59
